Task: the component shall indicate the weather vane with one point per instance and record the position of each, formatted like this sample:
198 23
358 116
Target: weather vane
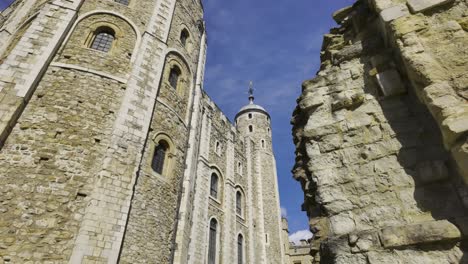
251 90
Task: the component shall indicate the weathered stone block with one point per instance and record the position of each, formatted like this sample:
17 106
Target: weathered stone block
342 14
428 232
394 12
424 5
390 83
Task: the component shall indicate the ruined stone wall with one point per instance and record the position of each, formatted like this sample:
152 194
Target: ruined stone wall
380 135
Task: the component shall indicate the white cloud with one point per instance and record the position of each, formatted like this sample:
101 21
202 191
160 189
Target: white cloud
284 212
299 235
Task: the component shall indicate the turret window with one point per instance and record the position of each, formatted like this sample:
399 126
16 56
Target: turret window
250 116
250 128
123 2
174 76
263 143
214 186
103 39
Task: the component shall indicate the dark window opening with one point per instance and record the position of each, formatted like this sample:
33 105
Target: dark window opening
212 242
250 116
240 249
184 36
174 77
250 129
214 186
159 157
239 203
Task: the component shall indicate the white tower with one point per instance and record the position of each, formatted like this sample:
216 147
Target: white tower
253 123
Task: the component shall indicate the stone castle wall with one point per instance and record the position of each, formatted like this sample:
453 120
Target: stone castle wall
381 138
79 128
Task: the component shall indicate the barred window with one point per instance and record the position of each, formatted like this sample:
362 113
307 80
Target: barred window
184 36
123 2
240 249
159 157
212 242
214 186
239 203
174 76
103 39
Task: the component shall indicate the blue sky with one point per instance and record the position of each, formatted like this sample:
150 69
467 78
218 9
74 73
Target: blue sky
276 44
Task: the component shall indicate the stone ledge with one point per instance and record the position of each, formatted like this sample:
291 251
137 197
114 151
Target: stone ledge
423 233
424 5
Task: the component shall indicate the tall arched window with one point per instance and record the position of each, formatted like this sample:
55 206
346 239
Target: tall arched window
214 186
240 249
184 36
212 242
239 203
174 76
103 39
159 156
123 2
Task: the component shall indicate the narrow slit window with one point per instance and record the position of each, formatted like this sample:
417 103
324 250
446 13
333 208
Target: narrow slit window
263 143
214 186
239 203
174 76
212 241
250 128
240 249
159 157
103 39
250 116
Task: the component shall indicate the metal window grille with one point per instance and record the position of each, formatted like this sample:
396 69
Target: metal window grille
239 203
103 41
174 77
212 242
214 186
123 2
240 249
159 157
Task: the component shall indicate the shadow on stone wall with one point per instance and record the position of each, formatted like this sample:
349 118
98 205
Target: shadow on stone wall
433 196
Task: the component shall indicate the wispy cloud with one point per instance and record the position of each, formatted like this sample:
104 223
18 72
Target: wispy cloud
296 237
284 212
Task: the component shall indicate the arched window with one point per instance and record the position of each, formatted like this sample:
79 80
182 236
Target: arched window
184 36
212 241
214 186
103 39
159 156
250 128
174 76
123 2
218 147
240 249
239 203
263 143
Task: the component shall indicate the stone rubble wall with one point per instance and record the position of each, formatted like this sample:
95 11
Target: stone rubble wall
381 135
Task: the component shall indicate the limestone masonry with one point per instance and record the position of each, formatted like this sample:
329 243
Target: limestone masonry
381 135
111 151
